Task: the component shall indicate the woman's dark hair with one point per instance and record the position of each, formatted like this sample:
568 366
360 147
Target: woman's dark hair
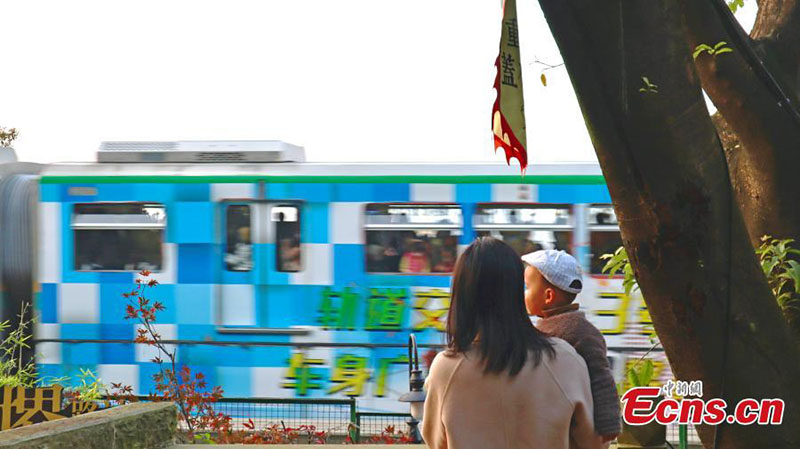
488 303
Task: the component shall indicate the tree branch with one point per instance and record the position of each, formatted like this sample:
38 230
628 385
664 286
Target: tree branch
763 172
776 34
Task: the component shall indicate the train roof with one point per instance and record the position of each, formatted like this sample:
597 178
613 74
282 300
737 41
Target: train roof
276 161
581 173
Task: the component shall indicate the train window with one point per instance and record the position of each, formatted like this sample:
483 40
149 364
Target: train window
238 243
412 238
118 237
287 237
526 228
604 234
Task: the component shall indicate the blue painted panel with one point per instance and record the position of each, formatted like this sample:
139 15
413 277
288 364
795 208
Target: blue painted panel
50 371
468 234
80 353
279 191
196 332
262 295
473 193
117 353
266 272
50 193
408 280
391 192
214 355
146 383
314 223
157 193
313 192
353 192
113 304
116 278
209 373
80 277
47 303
194 303
116 192
192 192
197 263
554 193
235 381
348 264
191 223
291 305
237 277
269 355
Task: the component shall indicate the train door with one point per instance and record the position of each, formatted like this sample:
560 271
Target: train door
261 244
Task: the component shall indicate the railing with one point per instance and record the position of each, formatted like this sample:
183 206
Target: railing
340 417
373 424
335 416
682 435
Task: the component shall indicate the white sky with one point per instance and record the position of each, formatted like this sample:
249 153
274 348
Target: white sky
351 80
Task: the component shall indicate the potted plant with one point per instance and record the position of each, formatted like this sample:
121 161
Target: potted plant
652 435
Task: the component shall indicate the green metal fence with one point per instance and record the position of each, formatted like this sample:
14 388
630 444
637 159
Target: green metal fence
681 435
370 424
335 416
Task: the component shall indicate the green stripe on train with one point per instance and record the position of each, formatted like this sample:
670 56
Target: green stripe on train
444 179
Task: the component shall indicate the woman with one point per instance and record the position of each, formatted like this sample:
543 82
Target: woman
501 383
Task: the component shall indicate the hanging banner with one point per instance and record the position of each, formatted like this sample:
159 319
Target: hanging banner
508 112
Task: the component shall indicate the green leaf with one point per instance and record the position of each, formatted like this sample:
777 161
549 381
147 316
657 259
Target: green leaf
646 376
735 5
719 44
633 378
724 50
768 265
793 274
699 49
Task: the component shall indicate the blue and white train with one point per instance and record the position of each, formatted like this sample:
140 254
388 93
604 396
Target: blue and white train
280 277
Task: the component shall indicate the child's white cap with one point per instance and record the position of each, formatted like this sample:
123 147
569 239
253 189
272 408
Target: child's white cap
558 267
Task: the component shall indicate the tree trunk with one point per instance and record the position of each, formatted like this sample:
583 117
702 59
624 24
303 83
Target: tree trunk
763 168
686 237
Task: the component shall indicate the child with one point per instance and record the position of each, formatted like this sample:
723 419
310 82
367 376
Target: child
552 280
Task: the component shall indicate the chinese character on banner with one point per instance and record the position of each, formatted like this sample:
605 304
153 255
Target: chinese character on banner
300 376
431 306
513 32
383 372
350 375
22 406
619 312
508 111
508 70
385 309
338 309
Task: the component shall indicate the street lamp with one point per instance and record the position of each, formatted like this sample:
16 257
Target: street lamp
416 395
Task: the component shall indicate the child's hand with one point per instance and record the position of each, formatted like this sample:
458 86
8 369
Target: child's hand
607 438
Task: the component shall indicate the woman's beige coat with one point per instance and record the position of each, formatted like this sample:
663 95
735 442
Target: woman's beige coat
548 406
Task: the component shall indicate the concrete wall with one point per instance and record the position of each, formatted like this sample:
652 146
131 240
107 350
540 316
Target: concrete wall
132 426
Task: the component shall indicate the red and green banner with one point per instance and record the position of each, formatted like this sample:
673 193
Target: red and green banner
508 112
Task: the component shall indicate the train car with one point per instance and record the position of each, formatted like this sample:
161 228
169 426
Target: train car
284 278
18 203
